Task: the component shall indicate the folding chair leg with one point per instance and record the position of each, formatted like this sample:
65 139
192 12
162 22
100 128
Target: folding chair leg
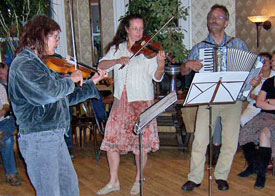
273 169
97 156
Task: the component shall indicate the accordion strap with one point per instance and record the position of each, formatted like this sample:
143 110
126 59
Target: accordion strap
216 46
230 40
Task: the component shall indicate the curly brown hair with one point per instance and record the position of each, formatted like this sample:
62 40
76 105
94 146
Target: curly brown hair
35 34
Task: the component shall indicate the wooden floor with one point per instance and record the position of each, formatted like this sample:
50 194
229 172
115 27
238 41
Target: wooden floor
165 173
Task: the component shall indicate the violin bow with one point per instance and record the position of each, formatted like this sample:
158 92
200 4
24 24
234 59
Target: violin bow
73 33
144 45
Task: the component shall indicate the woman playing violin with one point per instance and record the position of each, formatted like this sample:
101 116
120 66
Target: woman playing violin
134 93
40 100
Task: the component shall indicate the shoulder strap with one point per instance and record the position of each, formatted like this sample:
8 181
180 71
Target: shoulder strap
230 40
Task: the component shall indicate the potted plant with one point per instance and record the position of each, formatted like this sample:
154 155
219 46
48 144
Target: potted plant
13 15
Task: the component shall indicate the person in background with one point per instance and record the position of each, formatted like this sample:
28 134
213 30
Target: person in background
69 136
133 93
40 99
260 131
273 63
4 73
266 72
7 128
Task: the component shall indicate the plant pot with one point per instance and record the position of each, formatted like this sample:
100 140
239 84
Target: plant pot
172 71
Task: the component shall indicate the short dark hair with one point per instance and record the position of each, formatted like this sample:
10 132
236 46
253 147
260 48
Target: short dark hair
35 34
266 54
222 7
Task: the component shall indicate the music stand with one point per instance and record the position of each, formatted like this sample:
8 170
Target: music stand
214 88
145 118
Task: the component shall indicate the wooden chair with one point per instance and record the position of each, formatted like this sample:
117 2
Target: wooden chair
85 125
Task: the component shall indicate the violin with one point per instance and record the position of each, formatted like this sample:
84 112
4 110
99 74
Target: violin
144 44
150 49
64 66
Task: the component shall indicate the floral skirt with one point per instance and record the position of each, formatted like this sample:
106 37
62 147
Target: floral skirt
119 131
251 131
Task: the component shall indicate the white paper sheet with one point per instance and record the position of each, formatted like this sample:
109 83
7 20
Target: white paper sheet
203 87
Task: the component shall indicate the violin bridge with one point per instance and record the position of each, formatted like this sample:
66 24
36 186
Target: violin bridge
143 43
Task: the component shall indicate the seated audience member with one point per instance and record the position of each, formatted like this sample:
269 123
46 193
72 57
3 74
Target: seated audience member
266 72
4 69
273 63
69 136
100 112
260 130
7 128
249 112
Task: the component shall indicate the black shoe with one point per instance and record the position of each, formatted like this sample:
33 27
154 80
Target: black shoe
260 182
13 180
222 185
262 161
247 172
189 186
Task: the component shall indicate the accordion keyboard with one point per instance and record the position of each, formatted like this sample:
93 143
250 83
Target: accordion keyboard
206 54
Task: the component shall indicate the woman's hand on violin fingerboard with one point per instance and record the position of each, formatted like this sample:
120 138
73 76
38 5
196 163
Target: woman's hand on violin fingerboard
76 76
101 75
161 59
123 60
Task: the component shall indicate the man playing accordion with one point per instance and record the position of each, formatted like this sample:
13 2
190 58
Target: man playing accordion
217 21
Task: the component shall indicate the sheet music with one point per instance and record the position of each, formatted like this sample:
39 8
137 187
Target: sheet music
152 112
204 84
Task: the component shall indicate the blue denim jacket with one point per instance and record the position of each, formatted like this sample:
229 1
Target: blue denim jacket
40 97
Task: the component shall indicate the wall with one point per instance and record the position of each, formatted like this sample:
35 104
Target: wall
247 30
200 8
107 22
239 25
81 11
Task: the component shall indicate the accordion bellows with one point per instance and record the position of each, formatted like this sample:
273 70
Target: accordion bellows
240 60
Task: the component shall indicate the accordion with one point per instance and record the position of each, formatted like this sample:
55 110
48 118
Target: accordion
231 59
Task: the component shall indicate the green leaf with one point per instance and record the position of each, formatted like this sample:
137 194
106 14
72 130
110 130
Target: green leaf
156 13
